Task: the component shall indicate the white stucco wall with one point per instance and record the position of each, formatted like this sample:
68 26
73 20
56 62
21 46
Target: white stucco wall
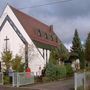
14 44
41 50
35 62
48 54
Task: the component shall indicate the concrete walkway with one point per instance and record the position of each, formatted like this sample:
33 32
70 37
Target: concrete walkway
57 85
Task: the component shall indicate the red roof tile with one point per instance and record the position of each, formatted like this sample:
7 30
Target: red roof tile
32 25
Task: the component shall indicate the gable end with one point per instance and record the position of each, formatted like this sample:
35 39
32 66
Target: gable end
7 18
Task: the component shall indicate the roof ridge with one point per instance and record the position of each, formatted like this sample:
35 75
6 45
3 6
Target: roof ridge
28 16
32 26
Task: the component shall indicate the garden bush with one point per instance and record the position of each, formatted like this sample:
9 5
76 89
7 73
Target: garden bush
51 71
69 71
62 71
55 72
6 80
45 79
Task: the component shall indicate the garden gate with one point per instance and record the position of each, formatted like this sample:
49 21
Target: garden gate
22 78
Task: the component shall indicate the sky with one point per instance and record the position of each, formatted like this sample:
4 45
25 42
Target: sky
64 16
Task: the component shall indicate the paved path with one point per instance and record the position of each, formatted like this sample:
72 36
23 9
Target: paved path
58 85
14 88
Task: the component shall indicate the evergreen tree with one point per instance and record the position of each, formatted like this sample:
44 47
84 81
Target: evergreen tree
60 53
77 50
87 48
54 56
76 44
82 58
63 52
17 65
7 59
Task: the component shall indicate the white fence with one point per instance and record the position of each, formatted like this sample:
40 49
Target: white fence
82 80
87 85
22 78
1 78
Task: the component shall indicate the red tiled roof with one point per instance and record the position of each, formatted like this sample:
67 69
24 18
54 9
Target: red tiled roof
31 26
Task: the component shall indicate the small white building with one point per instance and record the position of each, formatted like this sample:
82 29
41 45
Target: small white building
26 36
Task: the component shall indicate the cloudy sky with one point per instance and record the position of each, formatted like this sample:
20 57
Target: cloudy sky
64 16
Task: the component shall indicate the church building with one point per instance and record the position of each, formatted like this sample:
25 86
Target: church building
26 36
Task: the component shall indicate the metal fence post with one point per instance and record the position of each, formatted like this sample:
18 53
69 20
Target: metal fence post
2 78
84 80
13 84
75 81
17 80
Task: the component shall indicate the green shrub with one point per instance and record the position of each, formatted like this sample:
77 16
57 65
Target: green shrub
62 71
69 70
45 79
6 80
17 65
55 72
51 72
38 79
80 88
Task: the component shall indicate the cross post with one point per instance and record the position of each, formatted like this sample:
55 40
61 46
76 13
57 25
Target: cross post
6 40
